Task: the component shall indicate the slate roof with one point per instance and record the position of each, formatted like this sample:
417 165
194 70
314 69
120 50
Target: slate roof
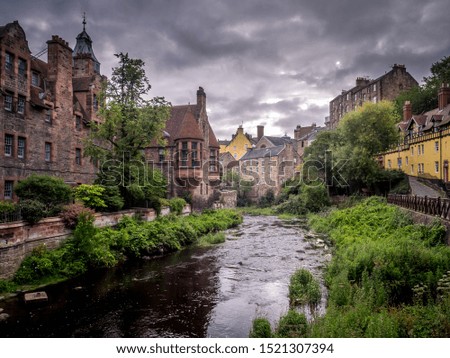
212 138
263 153
276 141
303 131
429 119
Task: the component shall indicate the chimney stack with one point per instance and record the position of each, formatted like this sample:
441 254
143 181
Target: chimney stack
444 96
407 111
297 132
201 100
260 132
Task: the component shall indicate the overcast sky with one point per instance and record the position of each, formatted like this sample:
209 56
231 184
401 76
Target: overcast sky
275 63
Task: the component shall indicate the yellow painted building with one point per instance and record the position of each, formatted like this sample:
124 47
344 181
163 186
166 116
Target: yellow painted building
425 156
238 145
425 151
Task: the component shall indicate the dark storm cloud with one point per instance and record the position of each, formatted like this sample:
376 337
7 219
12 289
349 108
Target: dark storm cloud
276 63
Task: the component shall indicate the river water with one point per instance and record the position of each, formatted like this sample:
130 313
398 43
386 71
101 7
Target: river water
197 292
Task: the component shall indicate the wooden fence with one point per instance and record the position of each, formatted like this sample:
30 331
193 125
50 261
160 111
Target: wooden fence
422 204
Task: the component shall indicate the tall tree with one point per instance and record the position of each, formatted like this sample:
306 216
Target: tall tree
130 122
346 156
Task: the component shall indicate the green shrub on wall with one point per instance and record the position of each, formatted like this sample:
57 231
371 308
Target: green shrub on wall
33 210
177 205
50 191
91 196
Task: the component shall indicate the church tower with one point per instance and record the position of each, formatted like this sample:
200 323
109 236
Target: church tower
84 61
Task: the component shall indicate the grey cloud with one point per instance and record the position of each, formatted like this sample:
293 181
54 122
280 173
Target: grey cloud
253 57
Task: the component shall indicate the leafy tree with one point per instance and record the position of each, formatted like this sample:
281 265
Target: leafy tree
345 157
130 124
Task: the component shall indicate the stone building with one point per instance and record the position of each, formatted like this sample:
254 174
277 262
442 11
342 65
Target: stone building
190 156
305 136
385 87
268 168
46 108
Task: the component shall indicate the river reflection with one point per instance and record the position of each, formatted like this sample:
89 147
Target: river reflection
196 292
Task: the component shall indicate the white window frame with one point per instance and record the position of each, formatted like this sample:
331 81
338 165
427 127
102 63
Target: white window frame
8 102
21 146
8 189
21 105
48 151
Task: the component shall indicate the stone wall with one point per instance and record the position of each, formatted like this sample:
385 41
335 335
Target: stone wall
227 199
18 239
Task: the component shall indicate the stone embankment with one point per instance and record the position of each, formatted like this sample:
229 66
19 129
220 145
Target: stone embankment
18 239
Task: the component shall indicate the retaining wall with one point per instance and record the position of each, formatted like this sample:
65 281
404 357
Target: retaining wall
18 239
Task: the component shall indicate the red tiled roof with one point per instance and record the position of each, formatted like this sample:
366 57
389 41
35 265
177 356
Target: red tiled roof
182 124
212 138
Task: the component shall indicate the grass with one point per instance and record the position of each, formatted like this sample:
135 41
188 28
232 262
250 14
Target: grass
304 289
211 239
385 274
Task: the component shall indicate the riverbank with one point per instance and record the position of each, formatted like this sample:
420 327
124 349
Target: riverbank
199 291
91 247
388 277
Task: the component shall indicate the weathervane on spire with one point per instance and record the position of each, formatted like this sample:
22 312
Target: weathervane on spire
84 21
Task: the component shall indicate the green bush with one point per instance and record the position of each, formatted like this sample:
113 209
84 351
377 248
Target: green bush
309 199
36 266
177 205
7 286
7 207
50 191
267 200
33 210
112 198
261 328
304 289
292 325
91 196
